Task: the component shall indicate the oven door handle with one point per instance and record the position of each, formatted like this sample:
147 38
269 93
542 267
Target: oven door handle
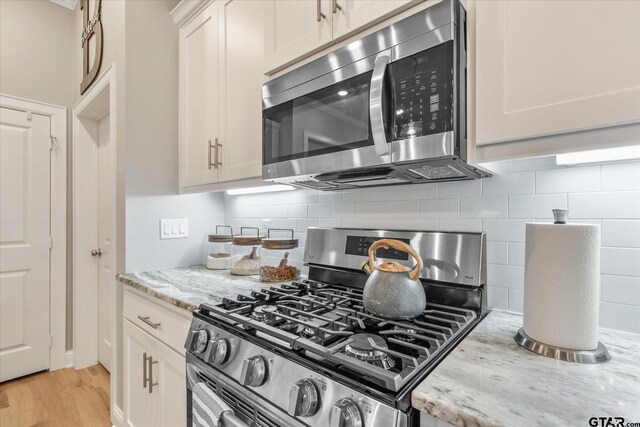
375 103
229 419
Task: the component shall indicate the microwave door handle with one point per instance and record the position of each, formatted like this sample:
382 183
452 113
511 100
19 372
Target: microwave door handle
375 103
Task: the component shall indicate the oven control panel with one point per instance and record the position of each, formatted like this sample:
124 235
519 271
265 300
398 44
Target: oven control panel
308 397
359 245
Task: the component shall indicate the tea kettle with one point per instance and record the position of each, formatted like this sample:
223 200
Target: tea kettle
393 291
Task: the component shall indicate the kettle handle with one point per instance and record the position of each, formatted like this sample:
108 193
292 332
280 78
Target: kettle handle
401 246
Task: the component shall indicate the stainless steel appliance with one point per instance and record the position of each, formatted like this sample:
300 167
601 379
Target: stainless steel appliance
387 109
309 354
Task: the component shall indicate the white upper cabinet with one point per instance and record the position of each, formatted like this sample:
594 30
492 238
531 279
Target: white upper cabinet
550 67
294 28
242 26
198 99
221 64
298 28
351 15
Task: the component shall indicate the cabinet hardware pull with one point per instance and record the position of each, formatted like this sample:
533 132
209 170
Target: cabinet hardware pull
336 6
146 320
96 252
209 155
321 15
151 383
218 146
144 370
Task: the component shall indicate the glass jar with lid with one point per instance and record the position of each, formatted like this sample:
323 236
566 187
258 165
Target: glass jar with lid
218 248
245 252
274 262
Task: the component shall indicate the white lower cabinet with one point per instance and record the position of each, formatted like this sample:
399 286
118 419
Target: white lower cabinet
155 393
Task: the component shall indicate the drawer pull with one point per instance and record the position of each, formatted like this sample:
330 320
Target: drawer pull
145 380
146 320
150 380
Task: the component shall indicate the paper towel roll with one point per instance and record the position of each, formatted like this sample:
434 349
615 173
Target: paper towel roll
562 284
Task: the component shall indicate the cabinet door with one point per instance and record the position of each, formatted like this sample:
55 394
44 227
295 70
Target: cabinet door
199 92
138 402
171 391
241 78
352 15
294 28
553 67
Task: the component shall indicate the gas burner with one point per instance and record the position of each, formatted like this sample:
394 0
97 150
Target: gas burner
263 313
404 334
361 348
288 326
310 331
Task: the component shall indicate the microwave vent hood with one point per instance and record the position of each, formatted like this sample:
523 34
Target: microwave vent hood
387 109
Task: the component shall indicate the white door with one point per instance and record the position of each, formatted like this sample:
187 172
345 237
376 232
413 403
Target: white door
24 243
550 67
352 15
293 29
241 81
106 230
171 391
199 95
138 402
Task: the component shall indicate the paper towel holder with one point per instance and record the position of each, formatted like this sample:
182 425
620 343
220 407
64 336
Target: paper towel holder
599 355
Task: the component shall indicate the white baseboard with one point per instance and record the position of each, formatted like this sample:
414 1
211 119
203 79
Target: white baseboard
117 417
68 359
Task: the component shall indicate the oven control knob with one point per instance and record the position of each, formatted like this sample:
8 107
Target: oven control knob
345 413
217 351
199 340
254 371
303 399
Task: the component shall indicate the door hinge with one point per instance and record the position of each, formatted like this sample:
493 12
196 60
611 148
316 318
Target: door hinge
29 116
50 242
53 141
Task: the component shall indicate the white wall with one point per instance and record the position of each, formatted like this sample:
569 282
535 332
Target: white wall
33 54
521 192
152 147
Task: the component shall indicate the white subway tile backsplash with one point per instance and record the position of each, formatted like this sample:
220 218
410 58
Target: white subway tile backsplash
448 190
516 300
621 233
396 209
621 176
521 191
343 210
620 289
536 206
319 211
484 207
613 205
439 208
469 225
516 253
508 184
505 276
498 297
620 316
505 230
297 211
568 180
620 261
498 252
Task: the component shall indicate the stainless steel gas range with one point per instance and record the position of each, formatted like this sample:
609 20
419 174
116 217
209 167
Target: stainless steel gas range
309 354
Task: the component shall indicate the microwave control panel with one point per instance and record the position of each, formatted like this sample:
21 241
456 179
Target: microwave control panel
423 92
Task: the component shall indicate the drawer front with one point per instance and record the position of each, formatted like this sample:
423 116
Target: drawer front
163 323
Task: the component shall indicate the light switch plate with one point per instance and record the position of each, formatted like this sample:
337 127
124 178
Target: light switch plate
174 228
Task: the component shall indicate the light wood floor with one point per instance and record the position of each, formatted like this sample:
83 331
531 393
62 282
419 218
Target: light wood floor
61 398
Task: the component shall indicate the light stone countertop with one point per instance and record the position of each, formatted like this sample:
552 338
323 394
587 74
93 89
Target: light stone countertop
488 380
188 287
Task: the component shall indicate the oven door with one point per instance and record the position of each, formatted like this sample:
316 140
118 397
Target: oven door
324 125
249 409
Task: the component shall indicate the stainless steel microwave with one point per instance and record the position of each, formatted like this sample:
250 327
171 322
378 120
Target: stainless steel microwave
387 109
